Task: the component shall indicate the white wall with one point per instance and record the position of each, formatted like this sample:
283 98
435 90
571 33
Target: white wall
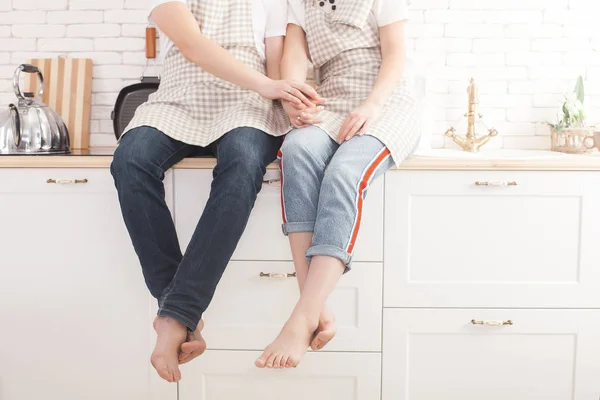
524 53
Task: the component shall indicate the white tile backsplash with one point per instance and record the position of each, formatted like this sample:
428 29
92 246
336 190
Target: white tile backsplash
524 53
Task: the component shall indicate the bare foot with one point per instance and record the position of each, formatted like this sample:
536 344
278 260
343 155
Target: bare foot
194 346
325 332
291 344
171 334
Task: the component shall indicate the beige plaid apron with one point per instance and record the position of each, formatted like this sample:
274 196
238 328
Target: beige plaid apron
197 108
344 44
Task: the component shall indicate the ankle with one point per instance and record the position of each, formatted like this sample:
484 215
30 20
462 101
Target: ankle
161 323
311 320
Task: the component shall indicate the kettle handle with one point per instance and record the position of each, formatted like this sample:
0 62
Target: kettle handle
29 69
17 132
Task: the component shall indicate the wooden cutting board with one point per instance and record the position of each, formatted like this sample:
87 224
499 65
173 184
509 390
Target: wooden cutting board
68 91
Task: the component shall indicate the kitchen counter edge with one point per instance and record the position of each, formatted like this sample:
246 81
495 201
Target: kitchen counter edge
566 163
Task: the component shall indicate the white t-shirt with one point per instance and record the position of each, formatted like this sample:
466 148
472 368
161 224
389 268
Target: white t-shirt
386 12
269 19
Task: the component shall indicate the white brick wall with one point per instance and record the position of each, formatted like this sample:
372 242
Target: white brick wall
524 53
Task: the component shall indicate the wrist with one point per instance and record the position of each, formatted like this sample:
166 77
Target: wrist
374 103
261 82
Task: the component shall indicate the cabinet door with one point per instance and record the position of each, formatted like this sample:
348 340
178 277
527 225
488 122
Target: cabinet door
441 354
229 375
492 239
263 239
75 310
248 310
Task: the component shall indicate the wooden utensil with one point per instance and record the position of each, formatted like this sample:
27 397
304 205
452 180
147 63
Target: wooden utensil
68 91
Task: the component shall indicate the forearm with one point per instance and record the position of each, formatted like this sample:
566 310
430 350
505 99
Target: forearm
391 72
217 61
274 54
294 64
393 54
177 22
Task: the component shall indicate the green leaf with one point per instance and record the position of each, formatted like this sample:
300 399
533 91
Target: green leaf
565 111
579 90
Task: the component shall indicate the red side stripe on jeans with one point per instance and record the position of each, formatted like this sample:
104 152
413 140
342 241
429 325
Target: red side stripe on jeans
280 155
361 189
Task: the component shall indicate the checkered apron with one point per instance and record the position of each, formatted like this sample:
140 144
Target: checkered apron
197 108
343 41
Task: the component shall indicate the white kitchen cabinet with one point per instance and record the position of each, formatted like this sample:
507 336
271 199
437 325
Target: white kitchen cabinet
440 354
263 239
75 312
231 375
259 306
492 239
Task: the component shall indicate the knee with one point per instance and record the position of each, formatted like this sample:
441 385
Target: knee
129 158
305 147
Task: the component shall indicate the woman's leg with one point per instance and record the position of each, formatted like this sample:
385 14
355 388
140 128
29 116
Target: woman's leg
345 183
300 242
305 153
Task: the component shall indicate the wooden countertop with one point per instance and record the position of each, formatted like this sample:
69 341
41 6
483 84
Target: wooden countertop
532 161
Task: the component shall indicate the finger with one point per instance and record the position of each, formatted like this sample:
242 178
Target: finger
311 120
296 123
313 110
309 91
298 94
355 128
289 97
311 116
301 106
345 127
365 128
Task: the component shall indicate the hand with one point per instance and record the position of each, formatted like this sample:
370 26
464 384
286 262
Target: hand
294 92
359 121
302 116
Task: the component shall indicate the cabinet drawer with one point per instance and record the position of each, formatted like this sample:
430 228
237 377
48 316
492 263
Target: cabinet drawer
263 239
440 354
229 375
68 180
248 311
452 243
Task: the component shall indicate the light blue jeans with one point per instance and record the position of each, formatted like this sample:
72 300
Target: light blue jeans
324 186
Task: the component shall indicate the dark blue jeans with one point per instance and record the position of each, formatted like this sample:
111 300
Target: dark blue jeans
184 284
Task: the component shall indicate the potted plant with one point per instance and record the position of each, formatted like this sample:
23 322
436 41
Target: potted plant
570 134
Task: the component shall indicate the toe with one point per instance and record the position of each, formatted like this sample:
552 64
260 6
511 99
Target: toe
161 368
277 361
271 360
316 344
176 374
292 362
261 362
165 374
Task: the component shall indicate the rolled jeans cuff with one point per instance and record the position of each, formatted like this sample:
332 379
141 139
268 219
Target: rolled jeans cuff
295 227
330 251
163 312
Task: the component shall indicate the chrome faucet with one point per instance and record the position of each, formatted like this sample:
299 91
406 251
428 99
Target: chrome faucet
471 142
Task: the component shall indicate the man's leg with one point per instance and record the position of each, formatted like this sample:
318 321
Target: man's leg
138 168
242 158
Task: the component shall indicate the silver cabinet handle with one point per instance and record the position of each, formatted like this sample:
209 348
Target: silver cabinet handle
510 183
491 323
67 181
277 275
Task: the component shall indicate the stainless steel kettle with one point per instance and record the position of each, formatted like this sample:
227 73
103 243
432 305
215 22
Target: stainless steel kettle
32 127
